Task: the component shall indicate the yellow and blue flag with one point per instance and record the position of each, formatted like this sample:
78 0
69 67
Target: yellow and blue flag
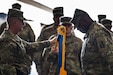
61 53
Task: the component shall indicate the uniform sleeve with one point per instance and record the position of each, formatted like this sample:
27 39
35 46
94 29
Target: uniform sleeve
2 27
36 46
7 52
45 32
41 36
105 47
31 34
103 42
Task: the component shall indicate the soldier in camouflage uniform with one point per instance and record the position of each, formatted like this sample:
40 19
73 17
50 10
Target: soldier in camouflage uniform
2 27
45 34
72 51
97 49
26 34
13 49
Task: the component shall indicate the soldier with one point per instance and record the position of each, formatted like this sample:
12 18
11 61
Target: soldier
26 34
45 34
13 49
97 50
72 51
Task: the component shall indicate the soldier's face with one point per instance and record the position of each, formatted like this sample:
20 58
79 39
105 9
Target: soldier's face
69 28
20 24
56 20
83 25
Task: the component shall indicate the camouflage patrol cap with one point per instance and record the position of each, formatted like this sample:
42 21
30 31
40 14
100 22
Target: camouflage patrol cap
101 16
58 11
106 22
65 20
16 6
16 13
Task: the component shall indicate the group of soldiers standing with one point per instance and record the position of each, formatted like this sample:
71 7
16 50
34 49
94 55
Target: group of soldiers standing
92 56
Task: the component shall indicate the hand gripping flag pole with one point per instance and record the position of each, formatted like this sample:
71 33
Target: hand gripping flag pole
61 54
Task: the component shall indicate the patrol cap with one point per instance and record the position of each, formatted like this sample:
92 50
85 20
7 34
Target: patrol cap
106 22
77 16
16 6
101 16
65 20
16 13
58 11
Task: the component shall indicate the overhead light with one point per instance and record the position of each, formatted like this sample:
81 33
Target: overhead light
37 4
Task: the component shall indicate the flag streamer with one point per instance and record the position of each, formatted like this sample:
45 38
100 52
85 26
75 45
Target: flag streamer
61 54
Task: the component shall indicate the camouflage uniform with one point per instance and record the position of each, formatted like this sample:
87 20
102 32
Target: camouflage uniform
13 53
72 52
97 51
26 34
73 48
52 29
2 27
46 32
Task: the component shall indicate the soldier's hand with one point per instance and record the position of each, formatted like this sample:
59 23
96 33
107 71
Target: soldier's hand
54 49
53 40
